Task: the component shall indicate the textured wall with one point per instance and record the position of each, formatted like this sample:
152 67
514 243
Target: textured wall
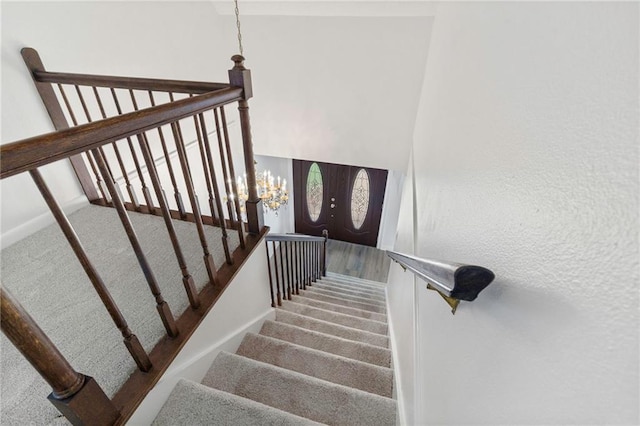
526 153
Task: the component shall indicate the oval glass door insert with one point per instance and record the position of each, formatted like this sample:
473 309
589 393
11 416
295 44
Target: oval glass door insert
360 198
314 192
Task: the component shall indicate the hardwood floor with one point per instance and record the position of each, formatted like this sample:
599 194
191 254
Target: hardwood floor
357 261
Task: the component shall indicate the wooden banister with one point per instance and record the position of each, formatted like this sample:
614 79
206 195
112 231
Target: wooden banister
40 150
298 260
72 391
133 83
77 396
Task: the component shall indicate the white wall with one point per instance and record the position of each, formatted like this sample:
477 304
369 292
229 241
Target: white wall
526 162
401 298
153 39
335 89
390 210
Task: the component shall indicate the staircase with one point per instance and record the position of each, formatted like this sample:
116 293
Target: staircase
324 360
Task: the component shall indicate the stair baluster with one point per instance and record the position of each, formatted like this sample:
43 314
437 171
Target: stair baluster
232 177
186 173
216 189
167 157
161 305
130 340
187 279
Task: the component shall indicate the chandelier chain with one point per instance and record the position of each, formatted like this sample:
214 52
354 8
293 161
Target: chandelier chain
238 25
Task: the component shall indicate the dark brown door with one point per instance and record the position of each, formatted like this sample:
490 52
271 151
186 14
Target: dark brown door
345 200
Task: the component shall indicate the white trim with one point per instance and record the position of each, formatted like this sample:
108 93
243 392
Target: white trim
224 344
13 235
402 415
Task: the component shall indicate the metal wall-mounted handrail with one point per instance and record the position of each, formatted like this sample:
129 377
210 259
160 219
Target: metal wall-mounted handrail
456 281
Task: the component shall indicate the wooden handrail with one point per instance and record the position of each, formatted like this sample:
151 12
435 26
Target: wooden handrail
135 83
40 150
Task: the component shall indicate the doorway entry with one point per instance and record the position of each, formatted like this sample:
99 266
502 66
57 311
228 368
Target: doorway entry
345 200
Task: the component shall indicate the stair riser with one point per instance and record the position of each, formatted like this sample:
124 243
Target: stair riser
336 318
355 281
346 290
325 342
333 329
345 296
338 301
298 394
322 365
340 308
351 286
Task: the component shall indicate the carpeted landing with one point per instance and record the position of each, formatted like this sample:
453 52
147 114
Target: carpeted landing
324 360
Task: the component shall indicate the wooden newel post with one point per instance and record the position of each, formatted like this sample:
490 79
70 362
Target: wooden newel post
76 396
239 76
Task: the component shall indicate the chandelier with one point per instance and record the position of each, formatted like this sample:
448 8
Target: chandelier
271 190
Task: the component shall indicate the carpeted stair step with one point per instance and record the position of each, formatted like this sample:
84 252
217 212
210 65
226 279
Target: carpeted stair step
298 394
347 296
326 285
331 328
364 352
355 280
336 317
319 364
339 301
191 403
339 308
374 288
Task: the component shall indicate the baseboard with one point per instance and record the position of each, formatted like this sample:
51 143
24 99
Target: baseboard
402 415
32 226
193 368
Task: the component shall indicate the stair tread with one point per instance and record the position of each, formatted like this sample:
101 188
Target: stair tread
379 289
360 351
339 308
349 278
346 296
338 301
336 317
193 403
319 364
299 394
331 328
328 285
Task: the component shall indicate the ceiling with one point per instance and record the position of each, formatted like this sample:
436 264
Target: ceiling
350 8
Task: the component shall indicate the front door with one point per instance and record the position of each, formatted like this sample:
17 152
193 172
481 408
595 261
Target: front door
345 200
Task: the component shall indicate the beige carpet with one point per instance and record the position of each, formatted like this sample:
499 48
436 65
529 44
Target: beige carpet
312 364
46 277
